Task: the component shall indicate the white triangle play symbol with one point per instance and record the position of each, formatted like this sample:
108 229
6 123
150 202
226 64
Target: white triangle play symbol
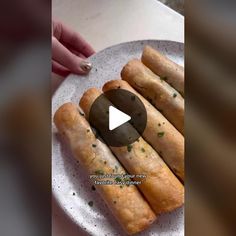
117 118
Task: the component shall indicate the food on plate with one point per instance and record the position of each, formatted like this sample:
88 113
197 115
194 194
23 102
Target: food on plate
159 132
164 97
126 203
160 186
168 70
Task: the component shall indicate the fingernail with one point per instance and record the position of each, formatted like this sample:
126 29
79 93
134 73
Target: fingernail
86 66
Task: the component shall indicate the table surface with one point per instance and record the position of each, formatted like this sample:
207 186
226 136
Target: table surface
108 22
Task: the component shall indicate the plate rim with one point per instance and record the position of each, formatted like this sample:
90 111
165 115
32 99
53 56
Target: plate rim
116 45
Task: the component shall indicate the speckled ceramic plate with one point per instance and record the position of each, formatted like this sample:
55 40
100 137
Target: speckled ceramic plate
70 187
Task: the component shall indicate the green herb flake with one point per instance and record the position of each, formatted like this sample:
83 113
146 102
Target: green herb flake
129 147
118 179
174 95
99 172
160 134
93 188
90 203
94 145
127 179
116 168
142 149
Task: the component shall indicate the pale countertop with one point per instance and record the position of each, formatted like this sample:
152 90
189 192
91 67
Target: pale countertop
107 22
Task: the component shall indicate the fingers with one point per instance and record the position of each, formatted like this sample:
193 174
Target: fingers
75 40
69 60
75 52
59 69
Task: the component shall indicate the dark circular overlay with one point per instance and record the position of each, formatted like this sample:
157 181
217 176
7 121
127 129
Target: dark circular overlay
126 102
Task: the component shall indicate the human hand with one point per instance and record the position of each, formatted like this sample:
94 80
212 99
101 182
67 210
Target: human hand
69 51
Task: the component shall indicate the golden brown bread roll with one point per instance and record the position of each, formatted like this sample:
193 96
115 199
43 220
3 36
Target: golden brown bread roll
156 91
161 188
126 203
159 132
171 72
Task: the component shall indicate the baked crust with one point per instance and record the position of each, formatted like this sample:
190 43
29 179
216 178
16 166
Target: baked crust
171 145
164 67
156 91
127 204
161 188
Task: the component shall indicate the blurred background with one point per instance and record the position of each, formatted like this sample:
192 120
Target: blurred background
177 5
25 90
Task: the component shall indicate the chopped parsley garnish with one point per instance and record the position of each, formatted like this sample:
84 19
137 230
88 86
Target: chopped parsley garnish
90 203
99 172
160 134
94 145
143 150
174 95
129 147
116 167
126 179
118 179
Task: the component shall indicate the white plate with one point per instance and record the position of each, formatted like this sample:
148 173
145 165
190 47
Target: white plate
70 187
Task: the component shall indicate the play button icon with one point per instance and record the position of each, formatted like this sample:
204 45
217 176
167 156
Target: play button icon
117 118
121 124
